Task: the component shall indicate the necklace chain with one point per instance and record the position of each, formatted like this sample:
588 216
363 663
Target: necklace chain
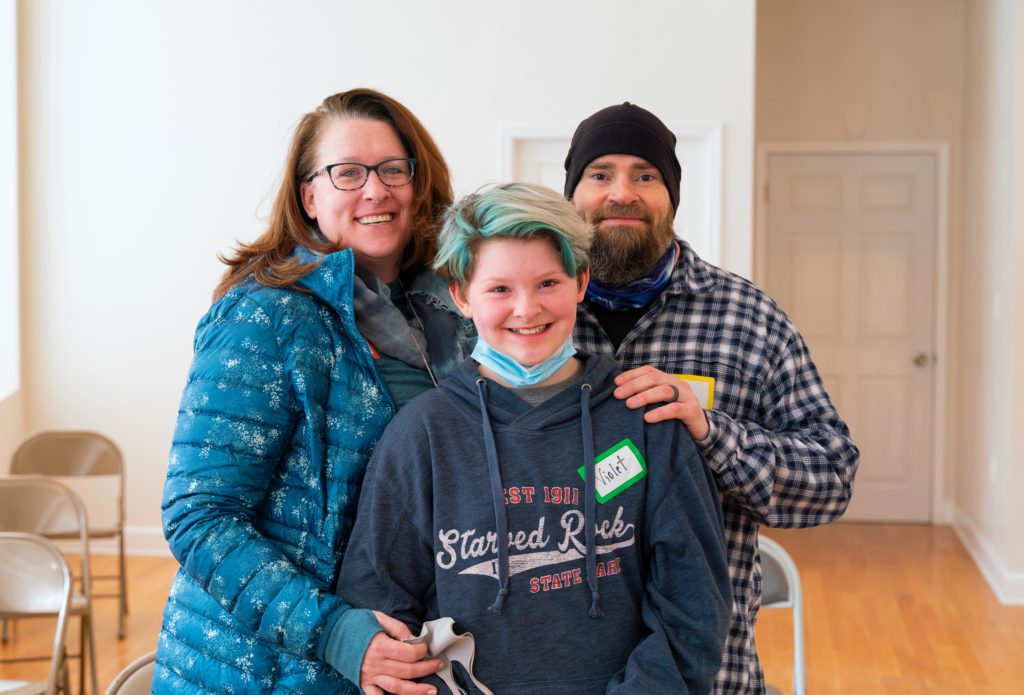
423 330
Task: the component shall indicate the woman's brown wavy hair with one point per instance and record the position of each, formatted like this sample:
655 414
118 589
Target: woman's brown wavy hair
269 258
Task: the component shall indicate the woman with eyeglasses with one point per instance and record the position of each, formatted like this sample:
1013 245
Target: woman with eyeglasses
320 330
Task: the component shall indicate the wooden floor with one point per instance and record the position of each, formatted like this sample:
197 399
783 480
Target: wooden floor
894 609
889 609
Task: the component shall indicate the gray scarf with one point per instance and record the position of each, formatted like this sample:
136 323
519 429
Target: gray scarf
384 325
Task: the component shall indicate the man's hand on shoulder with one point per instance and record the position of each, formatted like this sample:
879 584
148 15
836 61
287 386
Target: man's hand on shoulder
645 385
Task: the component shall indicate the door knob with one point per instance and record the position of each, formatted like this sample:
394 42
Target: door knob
920 360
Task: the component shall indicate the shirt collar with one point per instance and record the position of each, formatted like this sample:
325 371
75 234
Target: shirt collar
691 275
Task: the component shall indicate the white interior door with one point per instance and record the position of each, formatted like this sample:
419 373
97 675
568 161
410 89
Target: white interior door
851 246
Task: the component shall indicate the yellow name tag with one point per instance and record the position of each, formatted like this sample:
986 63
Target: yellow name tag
703 388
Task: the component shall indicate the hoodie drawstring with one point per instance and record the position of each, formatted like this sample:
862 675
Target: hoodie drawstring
498 498
590 503
501 514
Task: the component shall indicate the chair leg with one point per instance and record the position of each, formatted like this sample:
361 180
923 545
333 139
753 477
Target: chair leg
799 675
123 585
91 635
82 645
5 630
65 672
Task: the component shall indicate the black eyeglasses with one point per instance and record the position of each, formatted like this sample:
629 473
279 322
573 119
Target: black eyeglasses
351 176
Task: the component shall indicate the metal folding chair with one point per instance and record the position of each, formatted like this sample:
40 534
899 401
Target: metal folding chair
780 588
136 678
48 508
35 581
73 453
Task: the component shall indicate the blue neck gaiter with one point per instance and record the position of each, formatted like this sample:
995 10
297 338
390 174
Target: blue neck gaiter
515 374
638 293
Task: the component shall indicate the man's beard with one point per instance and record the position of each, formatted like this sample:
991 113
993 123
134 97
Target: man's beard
620 254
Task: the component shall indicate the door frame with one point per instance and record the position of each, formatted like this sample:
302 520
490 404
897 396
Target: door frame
941 506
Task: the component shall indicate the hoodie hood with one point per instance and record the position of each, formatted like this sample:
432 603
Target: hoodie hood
572 403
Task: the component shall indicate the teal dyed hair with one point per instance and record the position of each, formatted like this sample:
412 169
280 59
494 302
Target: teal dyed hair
511 211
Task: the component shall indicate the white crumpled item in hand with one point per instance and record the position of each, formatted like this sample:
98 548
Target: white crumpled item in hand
443 643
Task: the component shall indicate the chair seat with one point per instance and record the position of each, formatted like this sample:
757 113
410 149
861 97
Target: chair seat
22 687
774 587
30 506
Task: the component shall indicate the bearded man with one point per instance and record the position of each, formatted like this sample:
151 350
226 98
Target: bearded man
727 359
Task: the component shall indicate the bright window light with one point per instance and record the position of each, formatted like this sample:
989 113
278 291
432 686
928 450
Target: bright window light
9 325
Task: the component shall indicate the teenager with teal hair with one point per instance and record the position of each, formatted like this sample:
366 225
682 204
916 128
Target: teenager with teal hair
579 545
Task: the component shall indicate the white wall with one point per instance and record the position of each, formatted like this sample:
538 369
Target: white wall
1016 470
153 136
948 70
990 480
859 69
870 70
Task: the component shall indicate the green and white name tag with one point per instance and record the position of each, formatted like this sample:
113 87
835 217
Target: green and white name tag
616 469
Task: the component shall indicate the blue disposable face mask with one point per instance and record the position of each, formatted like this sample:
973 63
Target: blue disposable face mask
515 374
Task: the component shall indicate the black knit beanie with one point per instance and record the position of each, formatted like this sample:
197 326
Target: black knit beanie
624 129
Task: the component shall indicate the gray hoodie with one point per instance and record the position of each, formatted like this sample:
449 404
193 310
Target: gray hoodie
623 589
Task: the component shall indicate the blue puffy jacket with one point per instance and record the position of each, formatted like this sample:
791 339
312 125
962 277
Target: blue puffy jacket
282 409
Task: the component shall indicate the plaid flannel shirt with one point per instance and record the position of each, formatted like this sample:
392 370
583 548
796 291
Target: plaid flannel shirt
778 450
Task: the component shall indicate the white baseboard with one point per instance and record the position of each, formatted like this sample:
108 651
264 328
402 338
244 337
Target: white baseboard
1008 586
145 541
